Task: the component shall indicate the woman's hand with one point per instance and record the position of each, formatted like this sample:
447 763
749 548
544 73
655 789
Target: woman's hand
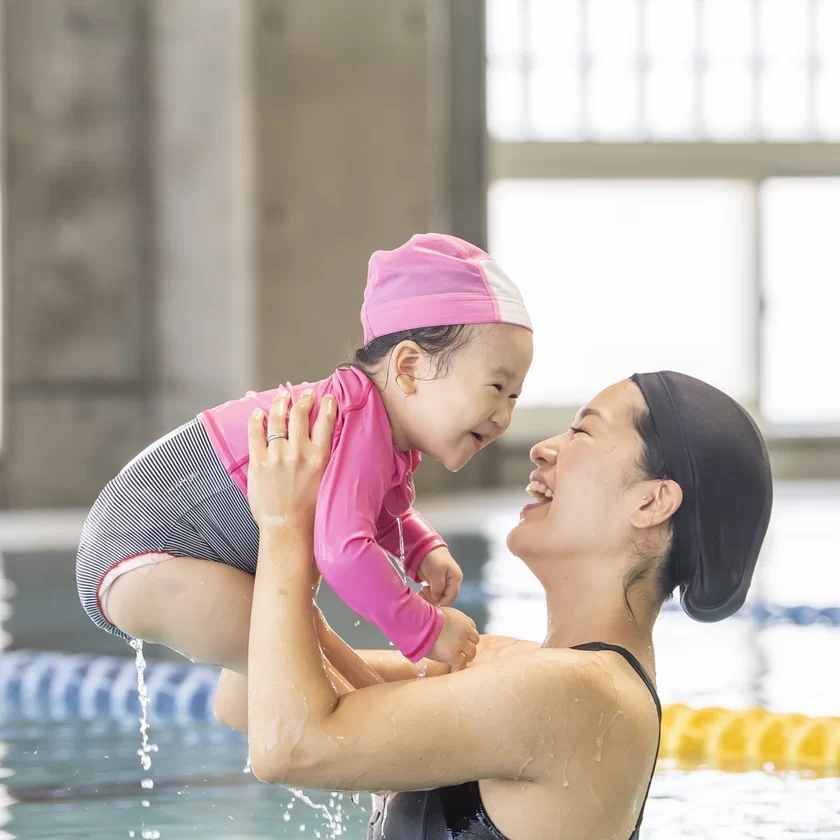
286 463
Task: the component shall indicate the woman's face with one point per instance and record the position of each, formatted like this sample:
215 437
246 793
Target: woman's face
593 481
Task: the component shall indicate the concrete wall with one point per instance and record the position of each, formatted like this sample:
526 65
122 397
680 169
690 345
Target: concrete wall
343 144
192 190
202 178
79 361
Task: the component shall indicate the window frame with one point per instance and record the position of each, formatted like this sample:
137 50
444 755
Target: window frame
745 161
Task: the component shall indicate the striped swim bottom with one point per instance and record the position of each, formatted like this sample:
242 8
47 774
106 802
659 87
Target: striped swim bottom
175 499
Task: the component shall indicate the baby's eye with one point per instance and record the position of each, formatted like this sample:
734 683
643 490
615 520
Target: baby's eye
498 387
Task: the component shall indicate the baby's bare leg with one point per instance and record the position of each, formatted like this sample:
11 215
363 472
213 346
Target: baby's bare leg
200 608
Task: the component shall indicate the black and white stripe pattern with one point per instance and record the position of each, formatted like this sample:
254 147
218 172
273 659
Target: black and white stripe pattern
173 498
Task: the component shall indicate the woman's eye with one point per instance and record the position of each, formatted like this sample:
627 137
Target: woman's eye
498 387
576 431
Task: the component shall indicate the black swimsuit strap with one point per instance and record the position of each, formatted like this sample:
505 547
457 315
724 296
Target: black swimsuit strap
637 667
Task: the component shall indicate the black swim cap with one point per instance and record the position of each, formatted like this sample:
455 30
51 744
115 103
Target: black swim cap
717 455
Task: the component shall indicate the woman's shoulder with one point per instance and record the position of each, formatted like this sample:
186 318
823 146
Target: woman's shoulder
586 717
590 685
492 646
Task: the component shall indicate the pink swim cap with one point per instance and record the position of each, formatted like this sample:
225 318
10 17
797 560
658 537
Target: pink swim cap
437 280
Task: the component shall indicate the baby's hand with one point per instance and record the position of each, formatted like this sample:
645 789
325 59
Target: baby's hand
457 641
443 575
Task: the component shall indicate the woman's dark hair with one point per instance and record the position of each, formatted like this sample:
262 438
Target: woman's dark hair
652 466
438 342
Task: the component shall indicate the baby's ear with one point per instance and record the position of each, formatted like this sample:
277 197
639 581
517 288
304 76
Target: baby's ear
406 363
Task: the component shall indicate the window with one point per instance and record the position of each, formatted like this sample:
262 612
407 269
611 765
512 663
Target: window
657 274
671 168
800 380
640 70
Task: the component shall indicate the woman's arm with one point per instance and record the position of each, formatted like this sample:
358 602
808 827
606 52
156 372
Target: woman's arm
394 667
484 722
364 668
230 703
348 669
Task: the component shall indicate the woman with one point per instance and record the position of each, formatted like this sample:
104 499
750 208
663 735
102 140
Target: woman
662 481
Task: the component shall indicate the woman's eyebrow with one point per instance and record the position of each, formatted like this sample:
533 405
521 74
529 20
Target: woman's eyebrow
588 412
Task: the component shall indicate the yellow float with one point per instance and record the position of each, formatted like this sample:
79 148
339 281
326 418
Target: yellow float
749 739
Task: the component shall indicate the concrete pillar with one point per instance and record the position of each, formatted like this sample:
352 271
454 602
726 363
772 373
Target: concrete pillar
202 188
79 362
343 149
129 246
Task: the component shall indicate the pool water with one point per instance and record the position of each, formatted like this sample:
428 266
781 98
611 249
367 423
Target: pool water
71 778
82 780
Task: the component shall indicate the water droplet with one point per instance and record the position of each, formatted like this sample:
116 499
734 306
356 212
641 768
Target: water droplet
143 697
287 816
299 794
147 784
357 623
145 803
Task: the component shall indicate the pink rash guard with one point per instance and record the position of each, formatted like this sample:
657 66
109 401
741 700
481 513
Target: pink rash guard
364 502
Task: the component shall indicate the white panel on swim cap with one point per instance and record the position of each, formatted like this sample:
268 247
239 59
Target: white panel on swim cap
511 306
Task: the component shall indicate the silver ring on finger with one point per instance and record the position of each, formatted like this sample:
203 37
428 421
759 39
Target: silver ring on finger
275 436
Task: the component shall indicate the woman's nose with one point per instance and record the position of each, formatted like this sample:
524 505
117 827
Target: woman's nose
544 453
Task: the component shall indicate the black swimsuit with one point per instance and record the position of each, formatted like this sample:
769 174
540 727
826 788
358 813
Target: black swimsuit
457 812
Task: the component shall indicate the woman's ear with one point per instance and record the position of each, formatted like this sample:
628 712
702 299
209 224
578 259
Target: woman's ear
406 361
659 501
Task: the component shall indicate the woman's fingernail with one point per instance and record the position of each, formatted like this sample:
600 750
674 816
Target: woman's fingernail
308 392
257 413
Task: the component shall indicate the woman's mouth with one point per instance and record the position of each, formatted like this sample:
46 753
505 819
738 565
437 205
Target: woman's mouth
539 491
478 440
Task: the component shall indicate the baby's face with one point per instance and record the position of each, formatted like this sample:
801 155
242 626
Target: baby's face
471 405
